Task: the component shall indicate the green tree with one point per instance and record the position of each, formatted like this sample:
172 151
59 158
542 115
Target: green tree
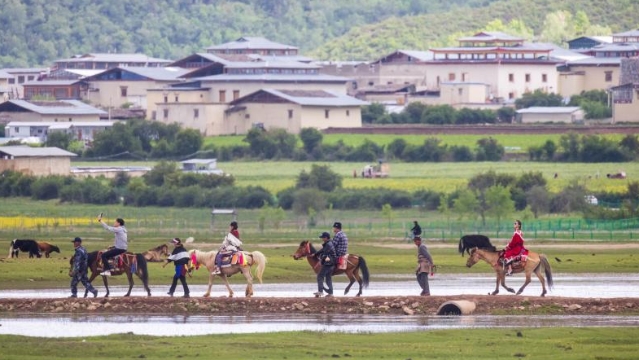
488 149
308 199
538 98
320 177
498 202
311 138
187 142
58 139
372 113
466 204
538 200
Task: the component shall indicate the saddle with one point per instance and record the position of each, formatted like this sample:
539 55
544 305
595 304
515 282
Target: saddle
117 262
519 262
234 258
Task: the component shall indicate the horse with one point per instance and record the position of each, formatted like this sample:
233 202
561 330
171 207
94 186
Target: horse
208 260
47 248
131 263
468 242
535 263
30 246
155 254
354 263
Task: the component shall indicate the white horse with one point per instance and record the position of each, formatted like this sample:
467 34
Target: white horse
253 258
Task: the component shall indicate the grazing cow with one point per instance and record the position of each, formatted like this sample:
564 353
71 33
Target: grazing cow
47 248
30 246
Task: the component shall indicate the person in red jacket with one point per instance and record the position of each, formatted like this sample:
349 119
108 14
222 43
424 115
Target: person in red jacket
514 247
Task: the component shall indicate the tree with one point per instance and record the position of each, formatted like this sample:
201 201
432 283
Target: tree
466 204
372 113
58 139
506 114
498 202
538 200
538 98
187 142
320 177
488 149
311 138
307 199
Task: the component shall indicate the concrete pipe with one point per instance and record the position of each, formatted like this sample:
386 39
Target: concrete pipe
456 307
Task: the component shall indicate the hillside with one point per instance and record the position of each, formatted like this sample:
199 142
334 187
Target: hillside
429 30
36 32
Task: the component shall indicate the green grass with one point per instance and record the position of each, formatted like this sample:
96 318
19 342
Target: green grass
528 343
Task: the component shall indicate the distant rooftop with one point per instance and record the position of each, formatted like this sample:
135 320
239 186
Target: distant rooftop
549 110
248 42
107 57
61 107
273 78
309 97
27 151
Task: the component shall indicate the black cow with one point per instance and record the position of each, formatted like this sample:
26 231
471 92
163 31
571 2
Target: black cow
468 242
30 246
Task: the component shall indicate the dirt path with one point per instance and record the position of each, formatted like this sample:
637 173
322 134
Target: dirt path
409 305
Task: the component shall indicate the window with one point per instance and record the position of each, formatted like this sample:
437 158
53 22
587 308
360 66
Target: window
460 91
451 77
527 77
166 113
511 77
348 113
222 96
154 115
123 91
290 114
247 116
196 113
20 79
30 77
544 78
166 99
326 113
608 76
12 81
370 83
176 98
511 95
236 94
464 76
70 119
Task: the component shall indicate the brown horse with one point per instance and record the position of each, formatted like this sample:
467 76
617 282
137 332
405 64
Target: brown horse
354 264
157 254
47 248
132 263
535 263
208 260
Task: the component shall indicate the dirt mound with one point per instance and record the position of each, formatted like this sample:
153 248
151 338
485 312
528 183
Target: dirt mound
408 305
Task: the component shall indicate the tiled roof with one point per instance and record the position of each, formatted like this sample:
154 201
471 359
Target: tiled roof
549 110
310 98
52 82
490 36
273 78
62 107
5 75
26 151
627 33
125 58
248 42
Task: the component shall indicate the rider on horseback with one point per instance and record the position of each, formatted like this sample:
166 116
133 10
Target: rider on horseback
231 244
514 248
120 246
340 241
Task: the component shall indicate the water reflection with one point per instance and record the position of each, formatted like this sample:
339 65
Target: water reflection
45 325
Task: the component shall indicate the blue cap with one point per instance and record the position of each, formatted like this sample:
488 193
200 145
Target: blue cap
325 235
77 239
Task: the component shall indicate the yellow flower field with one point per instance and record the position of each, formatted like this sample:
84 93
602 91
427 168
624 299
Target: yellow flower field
24 222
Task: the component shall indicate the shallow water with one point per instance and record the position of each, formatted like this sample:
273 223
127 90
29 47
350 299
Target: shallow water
84 326
577 285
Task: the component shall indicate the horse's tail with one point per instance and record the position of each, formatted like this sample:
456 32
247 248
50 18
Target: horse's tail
142 269
11 248
547 270
462 246
365 274
260 260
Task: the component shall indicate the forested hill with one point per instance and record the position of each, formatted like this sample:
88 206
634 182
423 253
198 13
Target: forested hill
36 32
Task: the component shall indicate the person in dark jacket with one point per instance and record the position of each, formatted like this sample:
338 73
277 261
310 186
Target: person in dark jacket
328 259
416 230
180 258
79 271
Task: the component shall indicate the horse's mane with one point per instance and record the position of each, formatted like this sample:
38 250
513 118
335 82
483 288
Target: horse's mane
468 242
203 256
157 248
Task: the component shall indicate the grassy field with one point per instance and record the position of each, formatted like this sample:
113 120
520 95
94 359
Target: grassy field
530 343
515 143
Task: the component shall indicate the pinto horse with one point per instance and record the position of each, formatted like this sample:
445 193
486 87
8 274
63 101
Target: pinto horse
131 263
535 263
156 254
253 258
354 263
47 248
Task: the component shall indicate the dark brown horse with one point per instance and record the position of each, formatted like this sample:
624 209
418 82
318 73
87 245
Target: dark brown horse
354 264
131 264
157 254
47 248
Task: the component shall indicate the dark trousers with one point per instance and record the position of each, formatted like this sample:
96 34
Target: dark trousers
84 280
109 254
325 273
179 274
422 280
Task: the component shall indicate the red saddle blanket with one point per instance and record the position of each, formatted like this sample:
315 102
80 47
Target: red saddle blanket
117 262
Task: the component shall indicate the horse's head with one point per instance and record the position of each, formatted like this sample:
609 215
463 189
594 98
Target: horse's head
303 250
473 258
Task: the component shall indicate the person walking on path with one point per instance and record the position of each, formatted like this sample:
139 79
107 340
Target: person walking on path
121 243
425 266
79 271
328 259
416 230
180 258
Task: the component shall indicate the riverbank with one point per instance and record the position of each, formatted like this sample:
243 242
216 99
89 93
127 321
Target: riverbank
398 305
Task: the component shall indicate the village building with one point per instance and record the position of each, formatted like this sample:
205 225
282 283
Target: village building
50 111
588 42
19 77
35 161
550 114
78 130
101 61
201 166
625 97
253 45
4 85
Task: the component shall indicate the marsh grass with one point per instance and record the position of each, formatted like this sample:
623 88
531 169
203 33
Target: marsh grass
529 343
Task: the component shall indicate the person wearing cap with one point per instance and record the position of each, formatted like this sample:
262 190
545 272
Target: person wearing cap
340 241
120 245
79 271
230 244
180 258
424 266
328 259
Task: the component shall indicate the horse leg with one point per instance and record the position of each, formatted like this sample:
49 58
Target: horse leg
226 282
106 285
521 289
249 282
145 282
541 280
94 274
208 292
497 281
130 278
503 283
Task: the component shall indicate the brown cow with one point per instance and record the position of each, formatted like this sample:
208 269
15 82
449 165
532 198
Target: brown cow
47 248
